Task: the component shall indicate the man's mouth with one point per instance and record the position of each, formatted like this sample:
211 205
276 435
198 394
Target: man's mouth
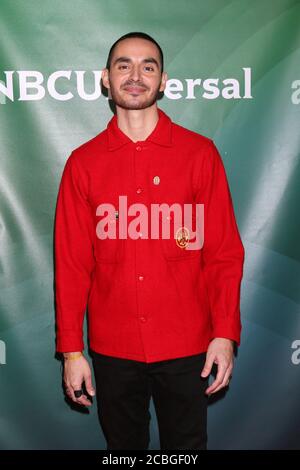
134 89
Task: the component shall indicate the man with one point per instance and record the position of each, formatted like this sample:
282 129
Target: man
161 313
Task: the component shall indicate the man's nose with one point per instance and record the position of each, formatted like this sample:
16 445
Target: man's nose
135 72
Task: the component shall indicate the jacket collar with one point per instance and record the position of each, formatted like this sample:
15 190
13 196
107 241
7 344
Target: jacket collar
161 134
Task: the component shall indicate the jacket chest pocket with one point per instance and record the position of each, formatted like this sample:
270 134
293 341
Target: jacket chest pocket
111 248
177 245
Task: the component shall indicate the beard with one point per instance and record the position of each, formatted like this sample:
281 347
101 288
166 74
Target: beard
134 102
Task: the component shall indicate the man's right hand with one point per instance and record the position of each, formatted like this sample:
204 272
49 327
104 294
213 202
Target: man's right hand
77 371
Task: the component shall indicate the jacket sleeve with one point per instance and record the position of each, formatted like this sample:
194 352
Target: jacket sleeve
223 251
74 258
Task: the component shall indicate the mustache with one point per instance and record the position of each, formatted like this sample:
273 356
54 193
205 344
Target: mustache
140 85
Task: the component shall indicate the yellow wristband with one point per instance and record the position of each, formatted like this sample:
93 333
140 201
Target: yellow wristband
73 356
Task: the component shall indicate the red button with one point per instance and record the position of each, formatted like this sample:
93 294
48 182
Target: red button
138 148
143 319
141 278
139 190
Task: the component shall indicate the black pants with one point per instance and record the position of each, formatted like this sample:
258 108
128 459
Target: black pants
124 388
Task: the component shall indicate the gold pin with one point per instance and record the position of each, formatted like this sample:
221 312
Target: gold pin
156 180
182 237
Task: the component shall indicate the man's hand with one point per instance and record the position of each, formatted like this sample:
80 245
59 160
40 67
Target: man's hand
220 351
77 371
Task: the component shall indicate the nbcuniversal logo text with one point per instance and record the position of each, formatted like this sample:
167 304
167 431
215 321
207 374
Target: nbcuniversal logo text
33 85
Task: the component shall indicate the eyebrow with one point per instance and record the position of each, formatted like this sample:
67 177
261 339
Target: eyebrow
127 59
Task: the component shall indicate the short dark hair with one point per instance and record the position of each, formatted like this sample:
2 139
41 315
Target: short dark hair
135 34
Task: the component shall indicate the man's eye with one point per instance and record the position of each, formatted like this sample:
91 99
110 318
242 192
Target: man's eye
149 67
122 66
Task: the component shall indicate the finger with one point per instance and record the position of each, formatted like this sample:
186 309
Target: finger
83 400
208 365
71 395
67 390
219 378
75 387
88 385
70 392
225 381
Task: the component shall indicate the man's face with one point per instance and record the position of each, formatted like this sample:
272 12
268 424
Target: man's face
135 76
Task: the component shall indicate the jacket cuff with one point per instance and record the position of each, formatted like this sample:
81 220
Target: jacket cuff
228 331
69 342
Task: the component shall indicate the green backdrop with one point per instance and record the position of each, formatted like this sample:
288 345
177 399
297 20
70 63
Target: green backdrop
259 141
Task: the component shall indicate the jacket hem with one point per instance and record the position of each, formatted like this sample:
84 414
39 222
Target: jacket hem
143 358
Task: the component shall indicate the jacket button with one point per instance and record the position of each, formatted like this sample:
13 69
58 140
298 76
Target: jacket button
138 148
141 278
139 190
143 319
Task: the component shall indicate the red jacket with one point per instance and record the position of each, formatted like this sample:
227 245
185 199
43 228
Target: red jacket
147 299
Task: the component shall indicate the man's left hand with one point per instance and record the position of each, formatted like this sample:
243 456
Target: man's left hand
220 352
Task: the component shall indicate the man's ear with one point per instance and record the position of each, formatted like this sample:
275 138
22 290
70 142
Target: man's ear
164 79
105 77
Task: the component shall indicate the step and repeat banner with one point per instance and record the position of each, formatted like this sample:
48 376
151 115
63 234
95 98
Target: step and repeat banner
234 76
